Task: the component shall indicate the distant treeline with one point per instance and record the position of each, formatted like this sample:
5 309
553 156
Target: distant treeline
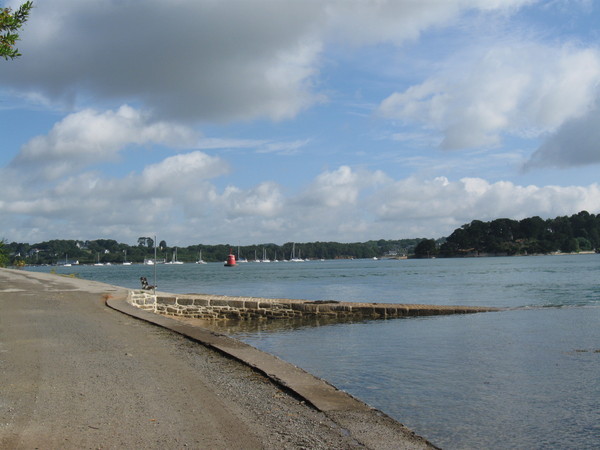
107 250
534 235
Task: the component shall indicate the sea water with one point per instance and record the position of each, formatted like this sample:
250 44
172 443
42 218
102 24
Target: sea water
526 377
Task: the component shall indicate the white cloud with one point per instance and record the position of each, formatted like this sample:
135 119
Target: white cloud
339 188
260 145
178 198
435 202
224 143
176 174
373 21
192 59
89 137
209 60
518 89
91 203
283 147
263 200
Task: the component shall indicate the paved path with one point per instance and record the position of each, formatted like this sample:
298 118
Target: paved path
76 374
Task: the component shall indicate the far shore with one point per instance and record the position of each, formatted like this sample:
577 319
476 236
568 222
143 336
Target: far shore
489 255
382 258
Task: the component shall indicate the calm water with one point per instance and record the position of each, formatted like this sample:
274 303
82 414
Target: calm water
523 378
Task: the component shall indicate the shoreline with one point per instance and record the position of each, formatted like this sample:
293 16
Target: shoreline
368 425
382 258
319 417
490 255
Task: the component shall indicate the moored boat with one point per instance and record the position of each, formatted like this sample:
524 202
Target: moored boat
200 260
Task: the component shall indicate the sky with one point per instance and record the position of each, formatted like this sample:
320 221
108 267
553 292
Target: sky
273 121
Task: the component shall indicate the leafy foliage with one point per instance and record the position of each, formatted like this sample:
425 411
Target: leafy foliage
426 249
3 254
534 235
10 23
108 250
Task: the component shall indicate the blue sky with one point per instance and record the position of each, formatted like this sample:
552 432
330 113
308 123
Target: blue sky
255 121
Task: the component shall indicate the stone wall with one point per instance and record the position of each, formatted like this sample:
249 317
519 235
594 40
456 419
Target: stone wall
217 307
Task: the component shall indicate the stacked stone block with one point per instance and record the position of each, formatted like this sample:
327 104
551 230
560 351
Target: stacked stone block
215 307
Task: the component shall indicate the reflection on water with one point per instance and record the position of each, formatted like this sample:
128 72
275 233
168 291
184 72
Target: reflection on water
251 327
524 378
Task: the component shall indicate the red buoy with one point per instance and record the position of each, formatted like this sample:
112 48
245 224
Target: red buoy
230 260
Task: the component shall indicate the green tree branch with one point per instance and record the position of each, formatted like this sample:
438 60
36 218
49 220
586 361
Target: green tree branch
10 24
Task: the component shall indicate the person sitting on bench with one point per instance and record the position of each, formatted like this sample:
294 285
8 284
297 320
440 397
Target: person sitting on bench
145 285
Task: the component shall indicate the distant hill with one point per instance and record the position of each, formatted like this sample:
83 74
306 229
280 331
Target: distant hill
59 251
534 235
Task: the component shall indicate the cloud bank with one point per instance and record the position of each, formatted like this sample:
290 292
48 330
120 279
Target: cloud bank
129 76
520 89
179 196
90 137
575 143
245 60
208 60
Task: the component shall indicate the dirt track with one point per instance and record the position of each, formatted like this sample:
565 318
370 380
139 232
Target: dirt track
76 374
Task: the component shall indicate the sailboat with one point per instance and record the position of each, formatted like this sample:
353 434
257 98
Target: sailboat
200 260
98 263
239 257
67 263
174 260
264 258
294 258
125 262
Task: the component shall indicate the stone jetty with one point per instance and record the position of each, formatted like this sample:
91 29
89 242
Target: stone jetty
220 307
